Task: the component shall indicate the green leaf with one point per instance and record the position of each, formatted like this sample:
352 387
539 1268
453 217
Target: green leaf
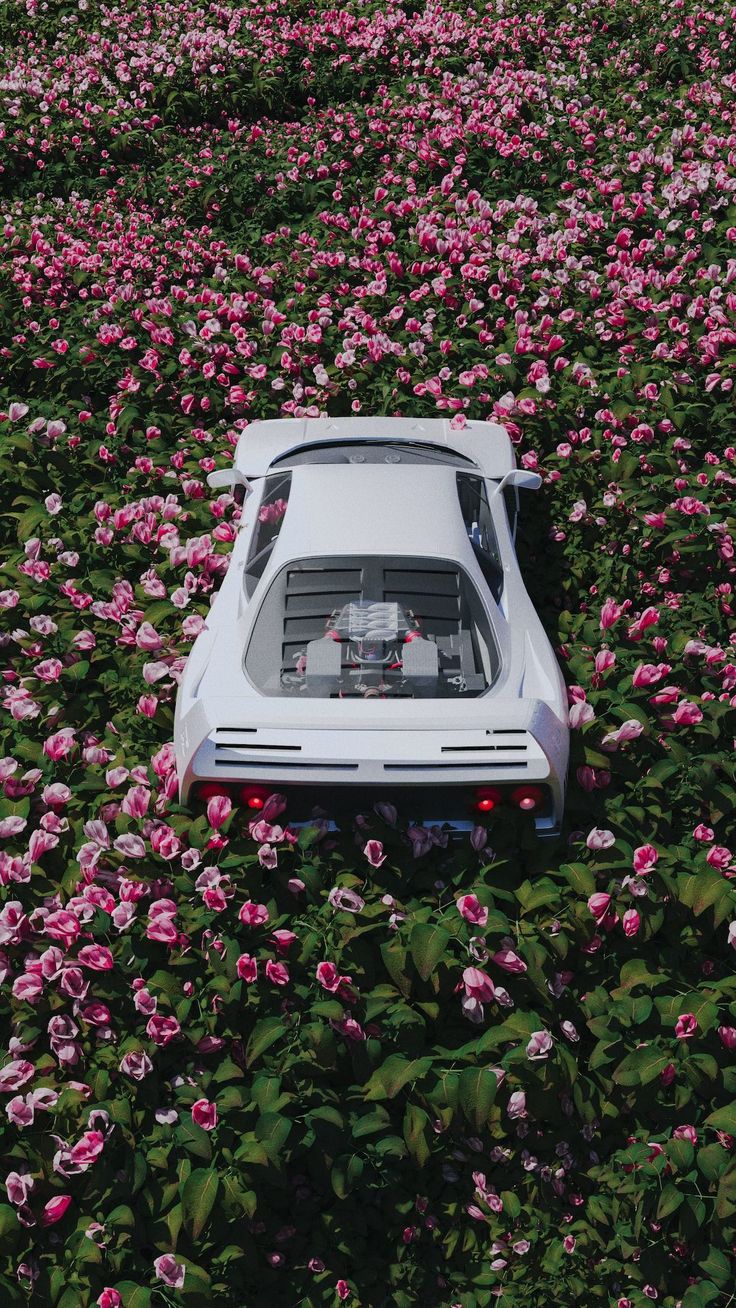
416 1128
132 1295
273 1129
198 1197
427 945
264 1034
669 1200
478 1087
641 1067
346 1172
716 1265
369 1123
580 877
636 973
723 1119
8 1219
726 1196
712 1161
394 1074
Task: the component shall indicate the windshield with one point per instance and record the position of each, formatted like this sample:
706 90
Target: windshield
372 628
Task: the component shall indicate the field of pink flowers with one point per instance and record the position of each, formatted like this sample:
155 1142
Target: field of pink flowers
249 1068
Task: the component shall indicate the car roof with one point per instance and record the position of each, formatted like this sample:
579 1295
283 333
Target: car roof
339 509
487 444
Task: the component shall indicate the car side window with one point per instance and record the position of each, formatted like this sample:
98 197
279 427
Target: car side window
271 513
481 532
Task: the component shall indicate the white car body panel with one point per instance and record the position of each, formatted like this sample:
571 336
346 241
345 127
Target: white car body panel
514 732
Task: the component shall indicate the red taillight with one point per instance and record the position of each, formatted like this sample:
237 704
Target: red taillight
487 800
210 789
252 796
527 798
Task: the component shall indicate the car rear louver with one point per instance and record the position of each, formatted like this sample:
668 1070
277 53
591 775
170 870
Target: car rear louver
431 591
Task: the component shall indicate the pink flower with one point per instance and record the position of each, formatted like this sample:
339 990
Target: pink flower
517 1104
648 674
87 1149
599 838
373 851
162 927
20 1111
509 961
702 832
136 1065
472 910
687 714
539 1046
604 659
599 905
219 808
647 619
130 845
170 1271
15 1074
343 1290
328 976
59 745
727 1036
204 1113
628 730
162 1029
19 1186
645 858
631 922
719 856
96 957
277 972
478 985
610 614
147 638
109 1298
579 713
54 1210
686 1026
247 968
253 914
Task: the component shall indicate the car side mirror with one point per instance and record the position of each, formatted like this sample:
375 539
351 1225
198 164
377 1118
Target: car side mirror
520 477
230 478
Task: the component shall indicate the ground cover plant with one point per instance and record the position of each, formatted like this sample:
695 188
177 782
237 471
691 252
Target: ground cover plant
248 1067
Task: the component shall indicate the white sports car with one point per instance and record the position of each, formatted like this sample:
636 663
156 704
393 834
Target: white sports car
373 637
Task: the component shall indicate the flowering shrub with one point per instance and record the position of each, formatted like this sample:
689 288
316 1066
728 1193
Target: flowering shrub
248 1065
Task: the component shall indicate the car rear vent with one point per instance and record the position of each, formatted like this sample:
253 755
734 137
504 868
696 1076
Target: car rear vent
312 594
475 749
223 744
448 767
223 741
432 594
279 763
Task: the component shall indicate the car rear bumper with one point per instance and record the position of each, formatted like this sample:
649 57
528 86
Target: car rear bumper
432 776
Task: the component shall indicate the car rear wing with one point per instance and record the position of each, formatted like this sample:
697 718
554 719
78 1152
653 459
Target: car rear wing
485 446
